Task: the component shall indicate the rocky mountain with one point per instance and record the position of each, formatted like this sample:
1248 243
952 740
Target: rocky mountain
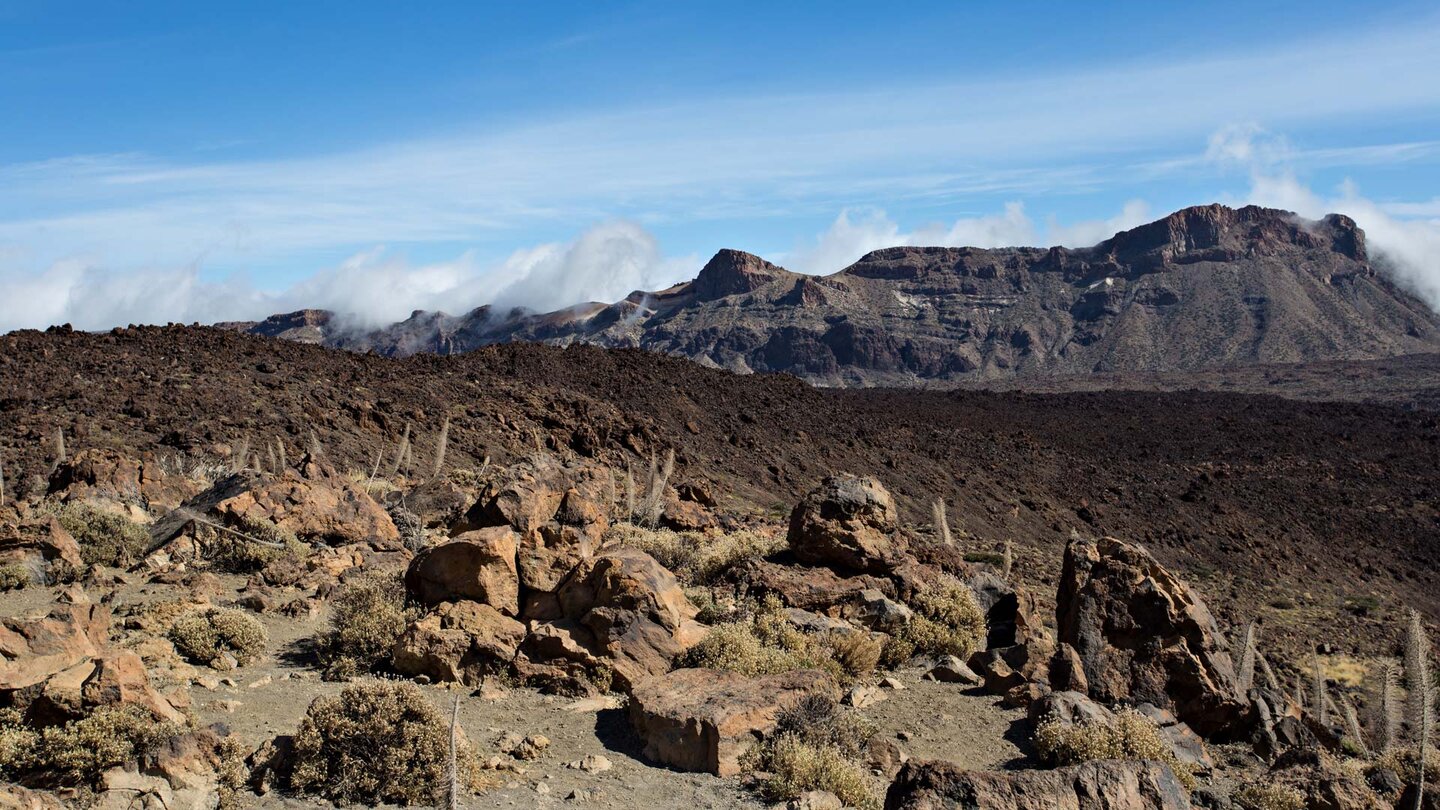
1205 287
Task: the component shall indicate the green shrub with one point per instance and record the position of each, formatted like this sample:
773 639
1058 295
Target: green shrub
696 558
815 746
378 742
1132 736
1268 796
366 620
206 635
14 576
235 554
105 538
79 751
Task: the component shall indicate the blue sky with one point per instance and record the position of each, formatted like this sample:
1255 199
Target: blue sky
205 161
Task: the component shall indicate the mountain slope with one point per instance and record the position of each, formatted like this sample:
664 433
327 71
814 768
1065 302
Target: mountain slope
1204 287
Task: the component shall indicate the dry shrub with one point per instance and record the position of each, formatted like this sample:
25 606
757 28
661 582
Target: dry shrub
378 742
763 643
1404 760
240 555
79 751
1268 796
947 621
366 619
15 576
105 538
1133 736
206 635
815 747
697 558
856 653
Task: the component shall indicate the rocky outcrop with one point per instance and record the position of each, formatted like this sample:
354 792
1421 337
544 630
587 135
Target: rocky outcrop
315 503
733 272
1099 785
105 474
705 719
1142 635
848 523
813 588
40 542
34 649
619 610
460 641
559 509
1074 708
478 566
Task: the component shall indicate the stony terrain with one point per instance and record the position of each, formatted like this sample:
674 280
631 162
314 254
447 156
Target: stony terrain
1206 287
641 582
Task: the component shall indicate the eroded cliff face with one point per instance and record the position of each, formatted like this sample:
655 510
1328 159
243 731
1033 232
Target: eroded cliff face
1204 287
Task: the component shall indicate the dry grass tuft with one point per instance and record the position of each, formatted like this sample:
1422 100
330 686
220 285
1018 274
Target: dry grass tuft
15 576
762 643
696 558
205 636
1132 737
105 538
366 619
947 621
1268 796
856 653
379 742
815 747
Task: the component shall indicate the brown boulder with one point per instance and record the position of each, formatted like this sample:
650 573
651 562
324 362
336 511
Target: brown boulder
849 523
461 641
33 649
104 474
623 607
120 678
313 502
705 719
817 589
43 541
561 511
1098 785
1144 636
478 566
1005 668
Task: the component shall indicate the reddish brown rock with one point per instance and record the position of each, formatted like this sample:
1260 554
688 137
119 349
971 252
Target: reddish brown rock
119 678
313 501
42 541
32 650
705 719
104 474
1144 636
816 588
1099 785
461 641
478 566
849 523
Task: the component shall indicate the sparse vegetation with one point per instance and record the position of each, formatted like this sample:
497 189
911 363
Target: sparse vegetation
105 538
764 642
253 544
80 750
365 620
379 742
1268 796
14 576
1131 736
208 635
947 621
815 747
697 558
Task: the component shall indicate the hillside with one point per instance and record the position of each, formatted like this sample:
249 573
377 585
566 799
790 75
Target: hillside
1277 507
1206 287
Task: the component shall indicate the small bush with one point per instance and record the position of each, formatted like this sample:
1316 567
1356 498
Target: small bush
1133 736
1268 796
762 644
814 747
947 621
79 751
697 558
378 742
105 538
206 635
14 576
856 653
238 555
366 619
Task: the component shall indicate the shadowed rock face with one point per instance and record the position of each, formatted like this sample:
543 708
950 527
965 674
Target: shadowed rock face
1204 287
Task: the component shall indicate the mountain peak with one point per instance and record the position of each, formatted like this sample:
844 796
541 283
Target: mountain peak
1220 233
732 272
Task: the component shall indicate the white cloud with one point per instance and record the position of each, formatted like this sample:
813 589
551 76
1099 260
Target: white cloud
371 288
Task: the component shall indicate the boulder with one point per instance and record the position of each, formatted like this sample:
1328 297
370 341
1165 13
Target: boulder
119 678
873 609
950 669
42 541
848 523
1005 668
623 609
559 509
1067 672
107 475
1011 614
705 719
34 649
315 503
1142 635
478 566
459 641
817 589
1098 785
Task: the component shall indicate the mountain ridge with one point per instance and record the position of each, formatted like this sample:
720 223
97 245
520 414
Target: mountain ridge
1204 287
